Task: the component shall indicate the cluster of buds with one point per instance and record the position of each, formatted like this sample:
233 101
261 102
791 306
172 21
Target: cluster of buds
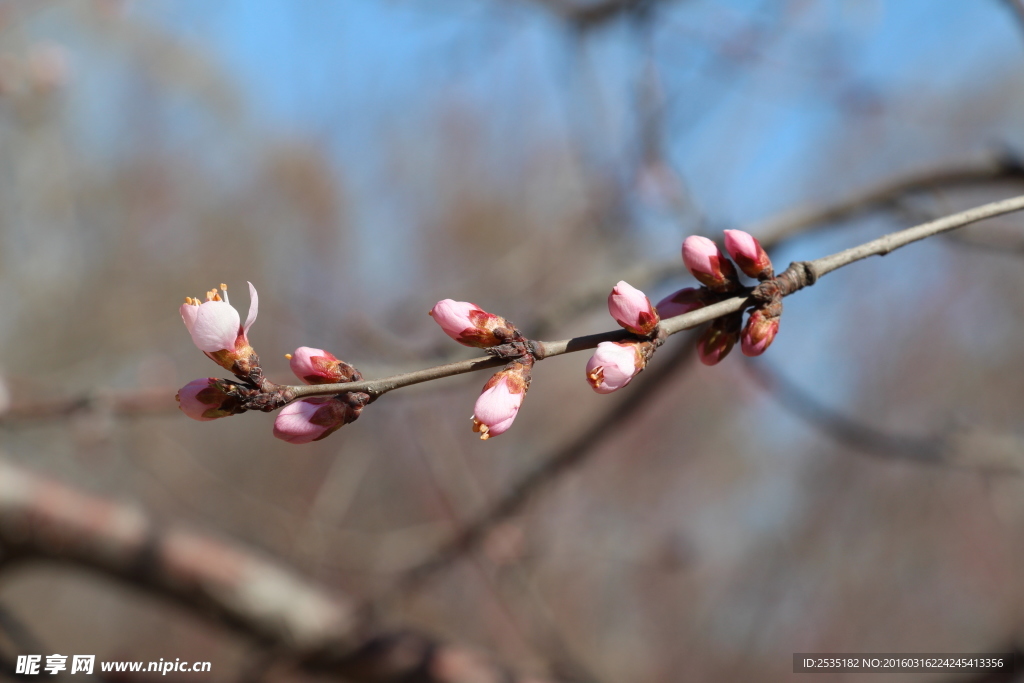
312 419
615 364
217 331
719 278
503 394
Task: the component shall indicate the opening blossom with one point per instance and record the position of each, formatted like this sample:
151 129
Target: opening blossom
499 402
708 264
748 254
632 309
614 365
217 331
471 325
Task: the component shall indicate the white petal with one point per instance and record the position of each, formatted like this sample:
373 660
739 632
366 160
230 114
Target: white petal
215 326
188 315
254 305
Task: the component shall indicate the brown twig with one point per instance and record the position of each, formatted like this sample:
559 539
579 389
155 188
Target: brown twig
844 429
585 15
886 194
1017 8
317 630
797 277
124 403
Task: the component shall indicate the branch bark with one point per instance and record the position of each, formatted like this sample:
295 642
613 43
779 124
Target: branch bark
315 629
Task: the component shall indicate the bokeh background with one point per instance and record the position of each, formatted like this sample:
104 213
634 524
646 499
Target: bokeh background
360 160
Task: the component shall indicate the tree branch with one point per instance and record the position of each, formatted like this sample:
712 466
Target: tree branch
1004 166
771 232
317 630
625 405
1017 9
585 15
924 450
889 193
124 403
799 276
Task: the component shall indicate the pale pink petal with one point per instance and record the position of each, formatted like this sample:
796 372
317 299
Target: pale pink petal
215 326
188 315
254 306
454 316
293 422
497 405
302 361
503 426
631 308
612 367
188 399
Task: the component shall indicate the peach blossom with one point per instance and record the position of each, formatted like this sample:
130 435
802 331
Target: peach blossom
311 419
708 264
614 365
469 324
632 309
748 254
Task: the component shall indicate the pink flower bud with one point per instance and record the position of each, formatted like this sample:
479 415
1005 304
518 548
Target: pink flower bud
614 365
470 325
715 342
748 254
632 309
499 402
709 265
215 329
312 419
208 399
759 333
316 366
683 301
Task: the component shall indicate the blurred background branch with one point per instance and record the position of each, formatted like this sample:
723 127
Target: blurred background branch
304 625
